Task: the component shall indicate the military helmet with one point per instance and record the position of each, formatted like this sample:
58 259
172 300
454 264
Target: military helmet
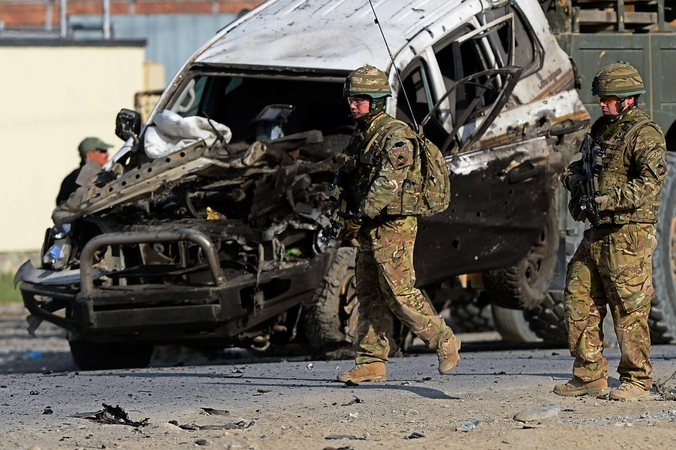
619 79
369 81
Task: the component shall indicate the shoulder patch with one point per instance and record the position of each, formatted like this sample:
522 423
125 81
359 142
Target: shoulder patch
400 155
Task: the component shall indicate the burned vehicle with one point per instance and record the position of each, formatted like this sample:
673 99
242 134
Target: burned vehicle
206 228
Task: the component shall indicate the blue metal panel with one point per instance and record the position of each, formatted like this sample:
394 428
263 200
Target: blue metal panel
172 38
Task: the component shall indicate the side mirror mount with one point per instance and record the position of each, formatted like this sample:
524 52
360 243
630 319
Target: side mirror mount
128 124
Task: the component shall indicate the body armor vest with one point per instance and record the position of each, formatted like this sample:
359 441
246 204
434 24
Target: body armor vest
618 168
368 149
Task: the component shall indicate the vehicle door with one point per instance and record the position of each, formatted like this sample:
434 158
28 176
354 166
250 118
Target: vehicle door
457 89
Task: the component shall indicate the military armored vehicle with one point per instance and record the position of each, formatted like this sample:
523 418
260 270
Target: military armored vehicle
205 230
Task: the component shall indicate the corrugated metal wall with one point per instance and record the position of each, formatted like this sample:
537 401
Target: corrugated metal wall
171 38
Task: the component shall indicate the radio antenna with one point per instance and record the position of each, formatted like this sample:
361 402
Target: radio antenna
401 82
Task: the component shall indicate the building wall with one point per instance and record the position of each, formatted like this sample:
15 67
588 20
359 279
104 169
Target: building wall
27 13
53 97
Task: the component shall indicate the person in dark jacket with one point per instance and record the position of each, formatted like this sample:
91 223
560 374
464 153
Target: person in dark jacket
94 154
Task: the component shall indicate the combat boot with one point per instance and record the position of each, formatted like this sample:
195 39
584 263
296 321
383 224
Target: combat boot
374 371
628 392
448 354
576 387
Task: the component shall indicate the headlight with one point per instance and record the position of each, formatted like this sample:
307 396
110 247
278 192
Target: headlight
58 254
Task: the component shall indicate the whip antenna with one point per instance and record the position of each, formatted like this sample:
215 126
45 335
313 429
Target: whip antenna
401 82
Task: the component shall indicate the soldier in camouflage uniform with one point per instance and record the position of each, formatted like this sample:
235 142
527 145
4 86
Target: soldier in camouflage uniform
385 227
613 263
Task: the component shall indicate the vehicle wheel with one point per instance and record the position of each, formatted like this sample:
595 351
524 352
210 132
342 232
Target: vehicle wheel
524 285
548 320
662 319
331 318
472 316
90 355
512 325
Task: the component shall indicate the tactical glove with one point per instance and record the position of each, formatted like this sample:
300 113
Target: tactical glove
601 202
575 182
346 162
350 229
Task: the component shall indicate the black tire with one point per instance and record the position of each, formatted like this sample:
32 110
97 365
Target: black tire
471 316
662 319
548 320
330 320
512 325
524 285
90 355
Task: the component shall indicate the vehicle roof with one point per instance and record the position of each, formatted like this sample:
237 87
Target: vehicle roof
331 34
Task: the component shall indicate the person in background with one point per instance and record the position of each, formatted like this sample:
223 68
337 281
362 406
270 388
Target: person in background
93 155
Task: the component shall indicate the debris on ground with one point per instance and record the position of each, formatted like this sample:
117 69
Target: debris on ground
351 437
216 412
238 425
538 413
353 401
415 435
664 390
111 415
466 426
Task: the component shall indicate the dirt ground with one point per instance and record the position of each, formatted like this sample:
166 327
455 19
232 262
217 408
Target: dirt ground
493 400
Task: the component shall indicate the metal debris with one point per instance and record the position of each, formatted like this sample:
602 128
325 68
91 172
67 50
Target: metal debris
663 390
216 412
353 401
238 425
415 435
111 415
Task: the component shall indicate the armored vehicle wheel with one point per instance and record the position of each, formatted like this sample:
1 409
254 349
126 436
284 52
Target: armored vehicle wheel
331 318
662 317
548 320
90 355
524 285
512 325
472 317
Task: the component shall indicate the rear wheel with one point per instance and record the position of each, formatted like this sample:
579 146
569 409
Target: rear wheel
512 325
472 316
524 285
90 355
662 319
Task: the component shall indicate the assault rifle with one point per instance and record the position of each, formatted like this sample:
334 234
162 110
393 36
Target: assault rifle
592 163
340 212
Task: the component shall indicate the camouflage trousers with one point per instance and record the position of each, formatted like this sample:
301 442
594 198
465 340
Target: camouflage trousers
385 281
612 266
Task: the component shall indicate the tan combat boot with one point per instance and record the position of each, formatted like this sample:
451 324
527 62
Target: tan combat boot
628 392
374 371
448 354
576 387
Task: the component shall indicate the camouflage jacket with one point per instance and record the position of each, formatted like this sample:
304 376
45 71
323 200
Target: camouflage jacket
634 168
375 186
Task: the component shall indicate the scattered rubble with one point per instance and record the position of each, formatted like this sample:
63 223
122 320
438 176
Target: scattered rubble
111 415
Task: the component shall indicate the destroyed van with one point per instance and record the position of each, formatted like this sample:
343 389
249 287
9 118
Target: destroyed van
205 229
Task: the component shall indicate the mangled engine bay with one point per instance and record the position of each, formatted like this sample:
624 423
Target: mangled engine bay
213 243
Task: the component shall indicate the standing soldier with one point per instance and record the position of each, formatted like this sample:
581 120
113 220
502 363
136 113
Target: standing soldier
385 225
613 264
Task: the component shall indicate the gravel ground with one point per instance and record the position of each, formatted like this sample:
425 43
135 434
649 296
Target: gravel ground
497 399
